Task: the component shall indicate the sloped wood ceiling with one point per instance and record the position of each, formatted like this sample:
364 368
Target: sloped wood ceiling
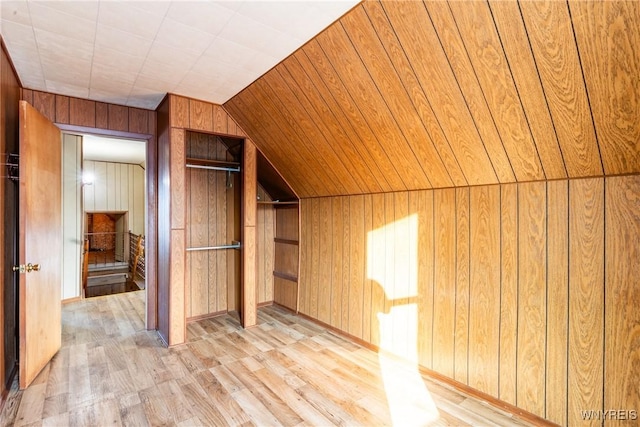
404 95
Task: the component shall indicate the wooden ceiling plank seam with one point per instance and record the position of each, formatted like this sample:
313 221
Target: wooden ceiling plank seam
586 89
404 70
360 31
465 76
348 173
484 49
332 107
556 54
319 63
607 40
325 183
325 118
352 72
514 39
363 90
266 132
285 102
416 36
237 112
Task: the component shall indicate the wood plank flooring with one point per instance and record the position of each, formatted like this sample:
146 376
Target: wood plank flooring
286 371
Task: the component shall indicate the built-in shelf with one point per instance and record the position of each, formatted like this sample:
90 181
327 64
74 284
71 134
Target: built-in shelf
285 276
286 241
275 203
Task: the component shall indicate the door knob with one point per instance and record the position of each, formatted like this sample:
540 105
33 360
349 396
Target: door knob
26 268
33 267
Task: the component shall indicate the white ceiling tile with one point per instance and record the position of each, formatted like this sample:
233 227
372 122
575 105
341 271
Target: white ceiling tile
57 22
19 38
125 62
126 17
15 11
116 39
69 89
183 37
110 96
87 10
57 45
247 32
205 16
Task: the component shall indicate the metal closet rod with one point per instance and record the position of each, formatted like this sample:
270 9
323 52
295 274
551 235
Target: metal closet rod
215 168
233 245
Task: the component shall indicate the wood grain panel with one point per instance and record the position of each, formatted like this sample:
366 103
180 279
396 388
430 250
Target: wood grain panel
286 292
138 120
306 134
463 244
330 147
532 296
336 43
261 130
304 278
118 117
177 315
557 299
460 57
286 261
586 298
336 263
315 60
62 109
422 203
401 292
375 265
178 160
417 95
324 268
312 296
476 26
484 289
622 287
221 121
200 115
197 235
346 264
353 145
417 35
218 151
45 103
364 38
514 39
552 39
508 292
357 265
324 119
82 112
607 35
444 298
102 115
178 111
368 283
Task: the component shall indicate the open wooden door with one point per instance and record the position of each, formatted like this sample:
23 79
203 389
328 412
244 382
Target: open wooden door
40 245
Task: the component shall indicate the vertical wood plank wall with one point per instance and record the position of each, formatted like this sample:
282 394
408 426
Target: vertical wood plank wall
118 187
518 290
265 247
184 114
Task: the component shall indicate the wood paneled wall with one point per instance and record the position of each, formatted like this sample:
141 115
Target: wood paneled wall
512 91
526 292
285 271
176 116
65 110
118 187
210 217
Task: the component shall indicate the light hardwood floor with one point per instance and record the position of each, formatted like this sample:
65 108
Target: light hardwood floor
286 371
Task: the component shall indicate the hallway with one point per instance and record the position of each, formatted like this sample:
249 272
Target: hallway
285 371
